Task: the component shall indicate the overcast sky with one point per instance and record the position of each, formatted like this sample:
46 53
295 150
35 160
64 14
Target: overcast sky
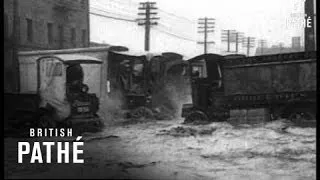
177 29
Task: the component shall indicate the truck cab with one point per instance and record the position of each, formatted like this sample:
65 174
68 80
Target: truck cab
206 83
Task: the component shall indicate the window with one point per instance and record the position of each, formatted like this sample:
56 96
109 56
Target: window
199 69
83 37
83 3
137 68
57 69
50 39
6 27
61 36
73 36
53 69
29 30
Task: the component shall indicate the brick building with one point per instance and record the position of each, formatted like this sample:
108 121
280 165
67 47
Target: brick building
41 24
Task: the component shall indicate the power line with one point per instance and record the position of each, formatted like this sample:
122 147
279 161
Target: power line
131 3
137 20
174 35
100 3
169 33
110 12
131 10
180 17
112 17
175 23
170 29
172 18
122 5
168 14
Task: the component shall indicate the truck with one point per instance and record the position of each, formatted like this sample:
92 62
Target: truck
140 80
59 88
253 89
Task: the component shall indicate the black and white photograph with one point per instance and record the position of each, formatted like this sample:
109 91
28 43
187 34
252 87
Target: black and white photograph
160 89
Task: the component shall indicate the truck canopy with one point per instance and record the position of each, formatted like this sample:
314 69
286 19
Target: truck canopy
75 59
92 60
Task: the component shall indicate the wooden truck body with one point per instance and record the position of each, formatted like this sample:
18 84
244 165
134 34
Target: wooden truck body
282 85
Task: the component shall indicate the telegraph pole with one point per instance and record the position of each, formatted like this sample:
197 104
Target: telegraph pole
226 37
238 34
204 23
249 43
147 21
262 43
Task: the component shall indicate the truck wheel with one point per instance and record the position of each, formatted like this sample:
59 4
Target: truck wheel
303 117
46 121
196 116
141 112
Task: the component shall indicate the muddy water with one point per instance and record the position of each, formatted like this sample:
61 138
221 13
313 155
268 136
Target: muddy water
170 150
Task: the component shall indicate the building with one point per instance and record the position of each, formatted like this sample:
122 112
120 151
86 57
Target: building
310 32
48 24
42 24
277 49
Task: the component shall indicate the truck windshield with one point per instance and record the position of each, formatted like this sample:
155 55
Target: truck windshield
137 77
138 68
199 69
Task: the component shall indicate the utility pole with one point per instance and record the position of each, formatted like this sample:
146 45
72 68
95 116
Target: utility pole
248 43
147 21
262 43
207 24
226 37
237 39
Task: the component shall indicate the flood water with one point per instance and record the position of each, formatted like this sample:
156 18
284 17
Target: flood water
171 150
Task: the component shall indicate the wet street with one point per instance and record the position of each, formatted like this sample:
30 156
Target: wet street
171 150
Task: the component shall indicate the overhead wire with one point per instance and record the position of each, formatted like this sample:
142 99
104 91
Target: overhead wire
108 12
165 29
174 35
110 8
170 29
112 17
131 3
176 16
169 15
